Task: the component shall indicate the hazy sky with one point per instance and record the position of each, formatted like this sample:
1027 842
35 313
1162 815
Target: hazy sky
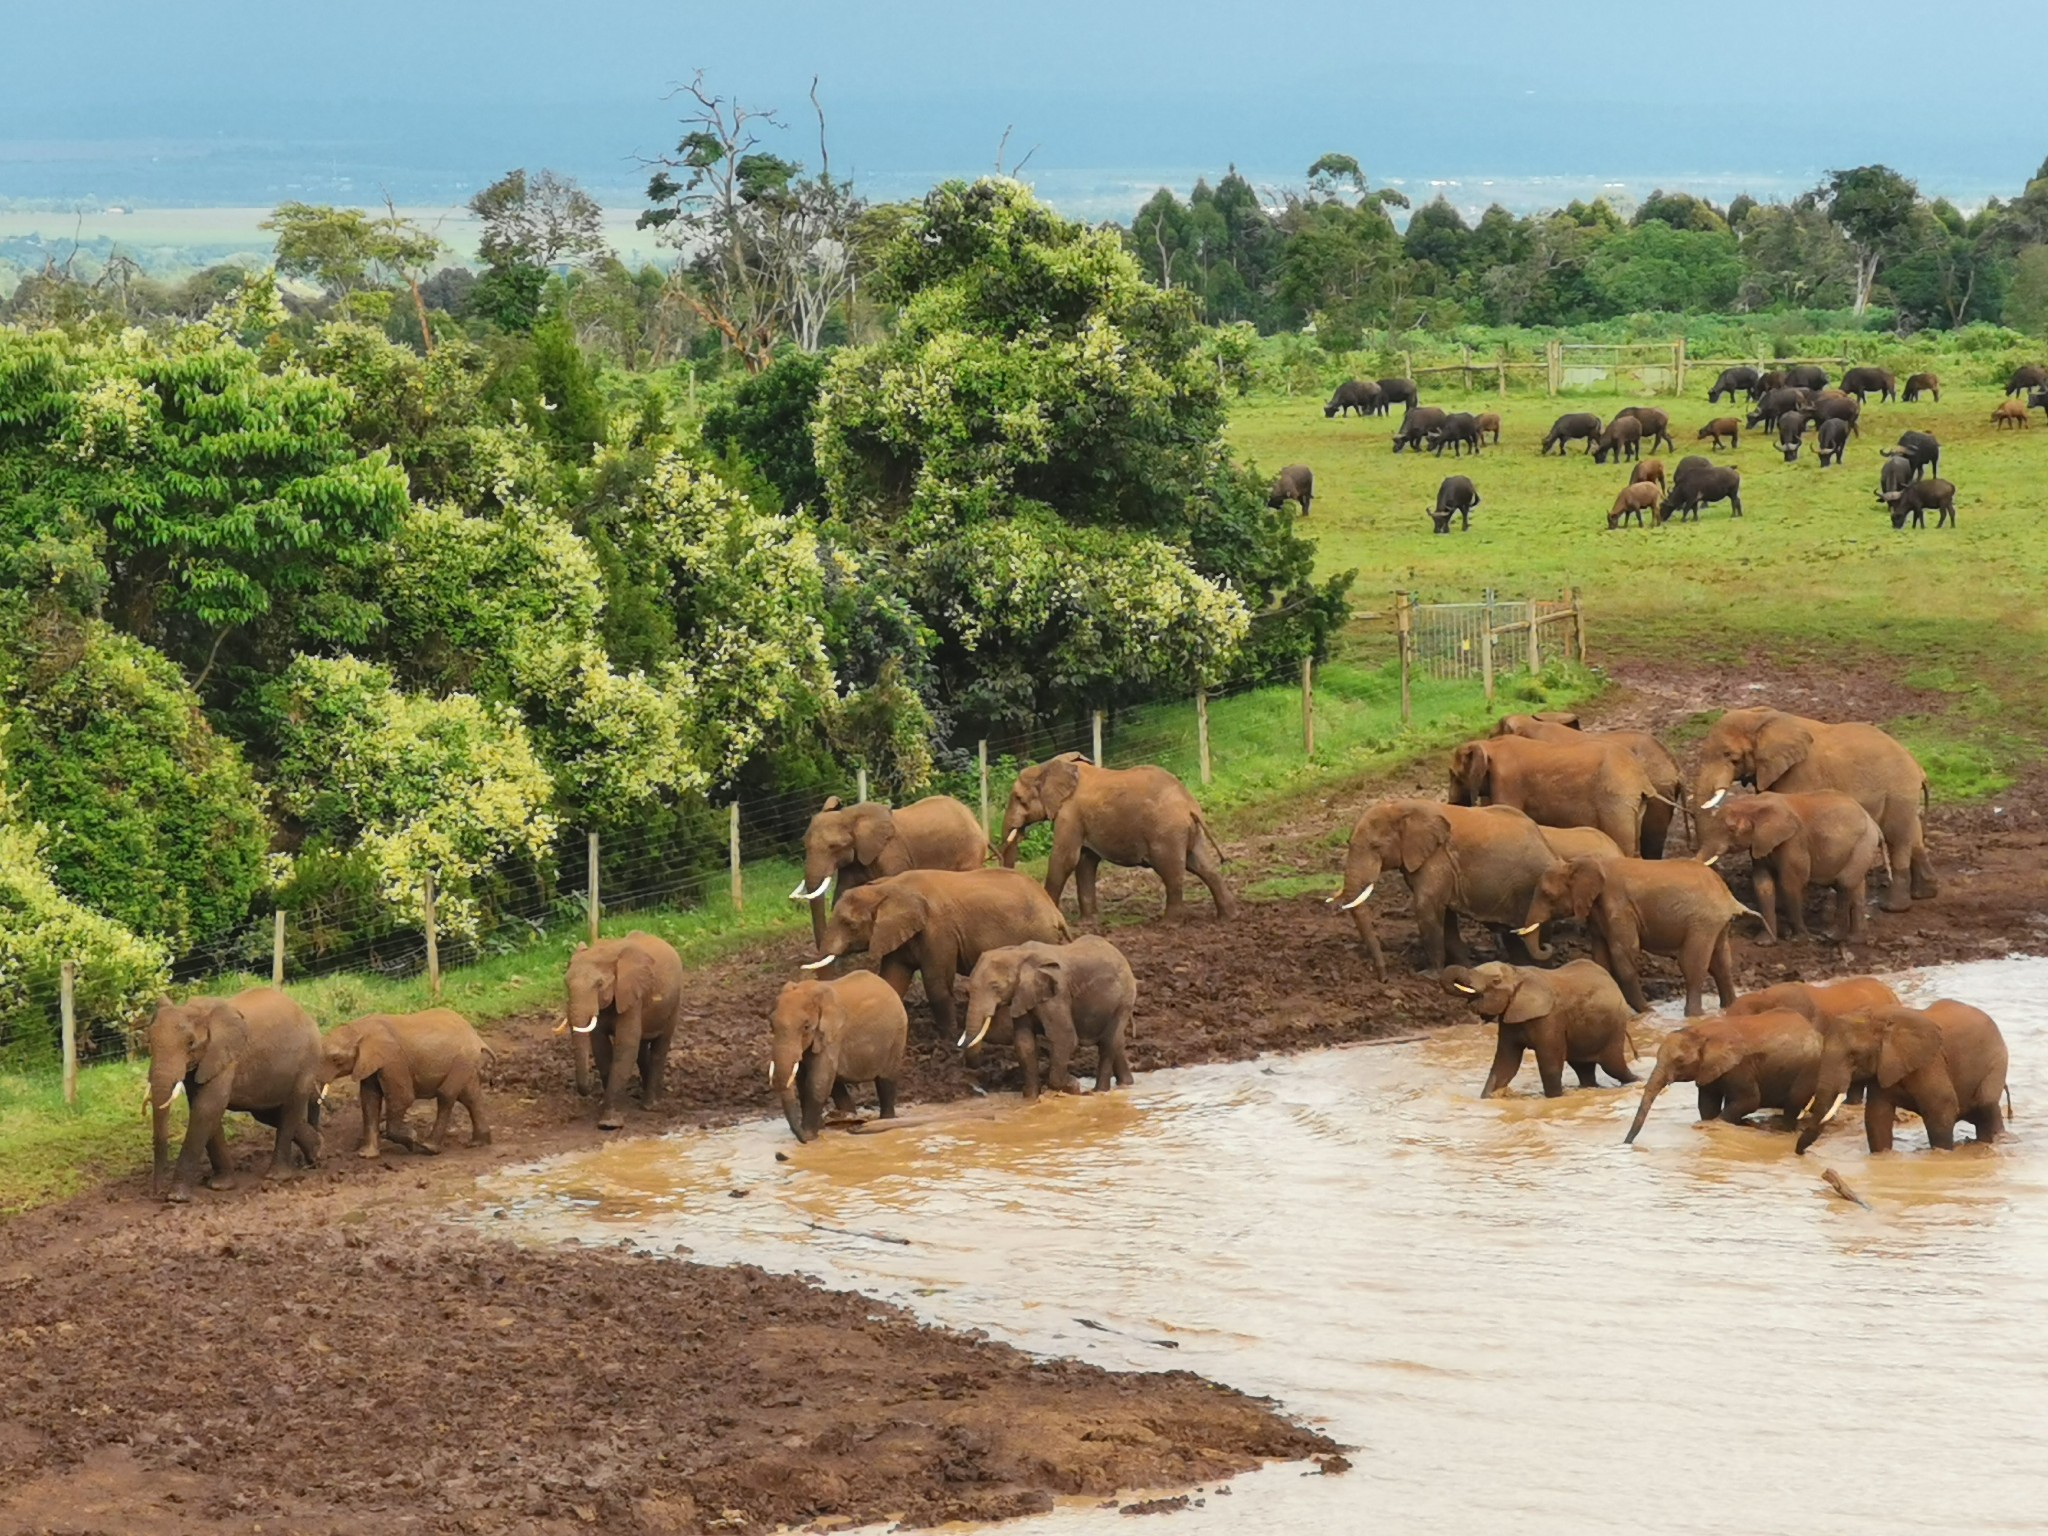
212 100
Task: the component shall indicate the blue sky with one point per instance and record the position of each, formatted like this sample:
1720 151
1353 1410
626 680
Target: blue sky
197 99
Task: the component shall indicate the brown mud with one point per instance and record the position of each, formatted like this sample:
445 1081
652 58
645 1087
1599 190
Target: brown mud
334 1352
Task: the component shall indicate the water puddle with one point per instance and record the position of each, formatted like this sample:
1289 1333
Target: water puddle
1523 1325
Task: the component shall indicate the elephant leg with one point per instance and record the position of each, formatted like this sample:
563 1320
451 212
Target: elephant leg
842 1097
1025 1039
1880 1113
885 1097
1742 1096
897 972
473 1104
1710 1101
290 1121
1172 872
1901 834
1587 1073
1722 968
938 991
1084 882
1454 941
1614 1060
654 1068
217 1153
600 1042
444 1116
370 1097
398 1101
1056 1018
1550 1062
1925 887
1433 924
1766 902
1118 1058
1694 956
1204 865
623 1053
1656 816
1066 856
1507 1061
1989 1123
308 1140
1848 919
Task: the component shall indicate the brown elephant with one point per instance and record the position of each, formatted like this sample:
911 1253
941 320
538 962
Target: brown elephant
1945 1062
1077 994
1665 775
1793 841
1769 749
258 1052
937 924
1125 815
1576 842
1663 906
1573 1014
625 1000
849 845
835 1033
1819 1002
398 1058
1587 782
1478 862
1741 1063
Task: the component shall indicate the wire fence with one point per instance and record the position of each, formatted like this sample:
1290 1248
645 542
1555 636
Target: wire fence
738 851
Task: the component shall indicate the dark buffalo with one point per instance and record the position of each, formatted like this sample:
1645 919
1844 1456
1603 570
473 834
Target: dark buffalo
1656 425
1807 376
1623 438
1417 422
1454 498
1870 381
1733 382
1791 432
1352 395
1765 383
2030 377
1570 427
1455 432
2039 398
1295 483
1913 501
1923 384
1895 474
1697 482
1395 392
1921 451
1774 405
1840 408
1833 438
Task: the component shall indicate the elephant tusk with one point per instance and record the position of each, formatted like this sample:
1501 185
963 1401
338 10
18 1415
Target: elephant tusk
1468 991
584 1029
1359 900
1824 1119
983 1032
799 894
1010 837
771 1074
171 1097
790 1081
1523 933
820 963
1719 796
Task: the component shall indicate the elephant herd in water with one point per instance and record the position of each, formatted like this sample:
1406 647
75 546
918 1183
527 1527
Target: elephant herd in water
1544 823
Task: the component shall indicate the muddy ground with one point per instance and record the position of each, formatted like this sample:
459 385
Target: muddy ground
308 1357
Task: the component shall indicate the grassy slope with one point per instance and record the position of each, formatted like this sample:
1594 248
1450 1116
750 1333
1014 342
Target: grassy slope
1813 569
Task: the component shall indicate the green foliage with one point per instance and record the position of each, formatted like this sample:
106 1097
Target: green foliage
1655 266
765 418
509 296
2026 301
345 250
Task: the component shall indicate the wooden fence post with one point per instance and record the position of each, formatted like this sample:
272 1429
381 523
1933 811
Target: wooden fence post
1408 365
1486 648
1535 653
860 780
733 856
67 1018
982 750
1096 722
1503 370
1404 619
596 910
1465 376
1554 356
1578 626
1679 367
433 937
277 948
1202 730
1308 706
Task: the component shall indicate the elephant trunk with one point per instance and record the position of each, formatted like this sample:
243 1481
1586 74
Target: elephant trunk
1660 1079
1013 832
166 1078
1711 784
1829 1090
793 1112
1362 868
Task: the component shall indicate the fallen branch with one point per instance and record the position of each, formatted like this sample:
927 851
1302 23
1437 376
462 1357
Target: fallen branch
1089 1322
1840 1186
876 1237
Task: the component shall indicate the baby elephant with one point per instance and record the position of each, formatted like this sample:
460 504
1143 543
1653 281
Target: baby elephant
832 1034
397 1058
1077 993
1573 1014
1825 838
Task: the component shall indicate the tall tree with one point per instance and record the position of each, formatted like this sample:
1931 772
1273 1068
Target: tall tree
1873 207
349 253
530 224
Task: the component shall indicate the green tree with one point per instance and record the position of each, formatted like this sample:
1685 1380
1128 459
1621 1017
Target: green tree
1656 267
1680 211
531 223
2026 300
350 253
765 418
1874 207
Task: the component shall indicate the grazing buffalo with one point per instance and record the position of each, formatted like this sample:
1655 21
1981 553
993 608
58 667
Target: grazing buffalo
1894 474
1623 438
2032 376
1656 425
1772 406
1454 498
1417 422
1569 428
1833 407
1395 392
1833 438
1352 396
1698 482
1295 483
1923 384
1720 427
2010 413
1922 451
1912 504
1456 431
1869 381
1633 500
1733 381
1791 433
1806 376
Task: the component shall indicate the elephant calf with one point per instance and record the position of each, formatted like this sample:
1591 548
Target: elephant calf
1946 1062
1573 1014
1637 905
625 1001
1741 1063
1077 994
397 1058
1822 839
258 1052
833 1034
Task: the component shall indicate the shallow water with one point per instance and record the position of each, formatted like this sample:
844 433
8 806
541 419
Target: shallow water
1523 1325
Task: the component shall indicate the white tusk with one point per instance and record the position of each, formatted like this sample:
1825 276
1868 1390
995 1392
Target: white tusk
799 894
1525 932
1468 991
1359 900
1710 863
1824 1119
824 888
820 963
790 1081
984 1030
172 1097
584 1029
771 1074
1803 1109
1010 837
1719 796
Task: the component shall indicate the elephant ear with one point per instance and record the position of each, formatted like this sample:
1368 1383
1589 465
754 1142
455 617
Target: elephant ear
825 1020
1564 717
221 1041
1424 833
1770 826
376 1049
1472 772
831 804
1781 745
1908 1044
632 981
1057 780
1533 999
873 830
1037 980
1588 883
900 918
1717 1059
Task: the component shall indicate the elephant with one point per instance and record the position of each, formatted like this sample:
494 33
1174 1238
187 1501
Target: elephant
1911 504
1945 1062
1807 376
936 923
1623 438
1922 451
1923 383
1395 392
1352 396
1454 498
1769 749
1573 1014
2010 413
1077 994
1664 906
1832 440
397 1058
1576 842
1456 431
1583 783
1489 426
1633 500
849 845
1665 775
1569 428
2031 376
1819 1002
1742 1063
1695 483
625 1000
1656 425
1295 483
258 1052
1791 434
1824 838
1732 382
1460 861
1136 816
1870 381
835 1033
1729 427
1416 425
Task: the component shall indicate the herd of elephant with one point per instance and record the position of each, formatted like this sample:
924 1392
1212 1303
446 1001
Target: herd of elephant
1544 823
1787 404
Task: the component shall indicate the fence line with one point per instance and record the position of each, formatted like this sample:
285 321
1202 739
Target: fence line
1659 364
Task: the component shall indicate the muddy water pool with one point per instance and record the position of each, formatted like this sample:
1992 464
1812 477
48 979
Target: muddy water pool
1522 1325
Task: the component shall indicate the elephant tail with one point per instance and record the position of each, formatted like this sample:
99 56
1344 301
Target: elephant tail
489 1064
2008 1101
1202 827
